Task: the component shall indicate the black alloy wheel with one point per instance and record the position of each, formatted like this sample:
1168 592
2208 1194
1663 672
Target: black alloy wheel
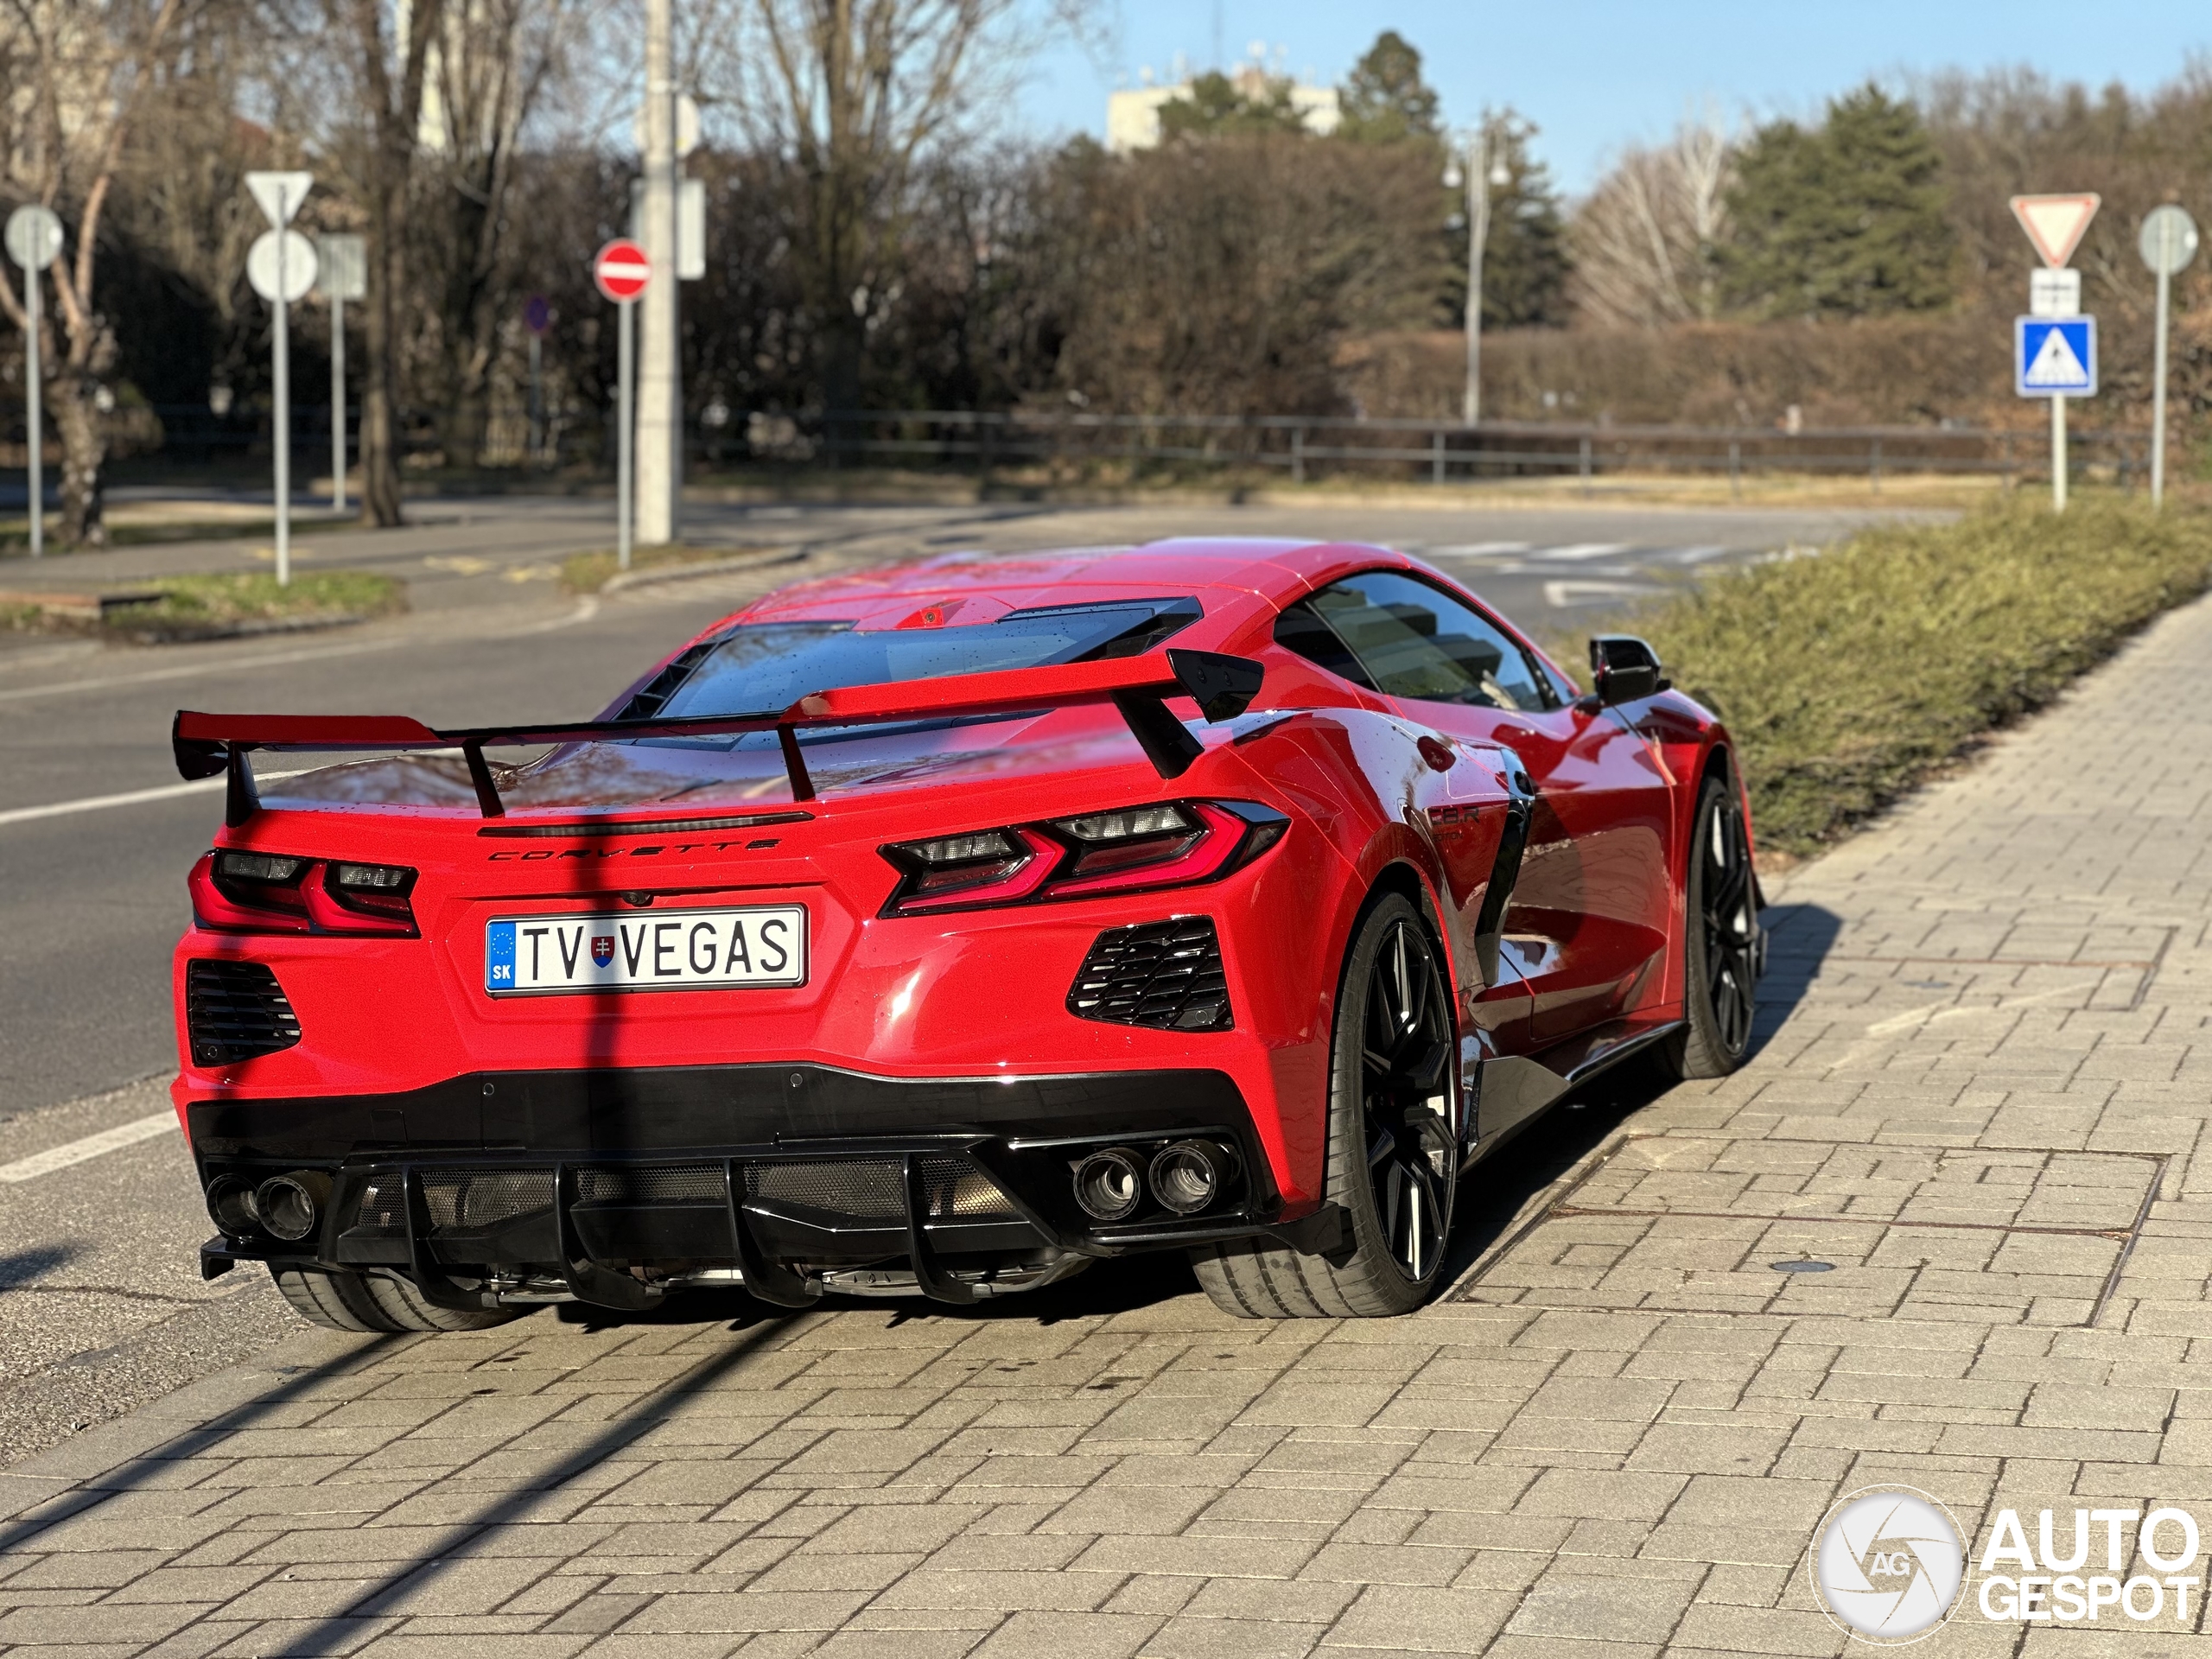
1393 1156
1405 1065
1720 941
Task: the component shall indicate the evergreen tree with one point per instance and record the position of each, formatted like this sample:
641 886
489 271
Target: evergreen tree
1218 106
1845 219
1384 99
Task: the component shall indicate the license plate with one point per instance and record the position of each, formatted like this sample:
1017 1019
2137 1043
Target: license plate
674 950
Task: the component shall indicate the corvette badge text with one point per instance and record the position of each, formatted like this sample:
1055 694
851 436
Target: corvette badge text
1889 1564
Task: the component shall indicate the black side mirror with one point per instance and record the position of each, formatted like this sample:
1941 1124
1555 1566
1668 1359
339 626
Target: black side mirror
1625 668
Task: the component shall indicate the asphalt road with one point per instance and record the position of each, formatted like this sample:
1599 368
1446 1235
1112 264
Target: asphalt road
100 1303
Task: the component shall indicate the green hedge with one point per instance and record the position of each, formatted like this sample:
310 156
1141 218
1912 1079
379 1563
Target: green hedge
1847 677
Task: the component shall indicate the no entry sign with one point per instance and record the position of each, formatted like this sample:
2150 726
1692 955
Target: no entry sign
621 270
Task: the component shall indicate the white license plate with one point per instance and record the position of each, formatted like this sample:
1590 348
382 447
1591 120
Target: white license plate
645 950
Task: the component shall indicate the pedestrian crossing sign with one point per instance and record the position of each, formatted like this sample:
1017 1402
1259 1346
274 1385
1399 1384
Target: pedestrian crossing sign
2055 357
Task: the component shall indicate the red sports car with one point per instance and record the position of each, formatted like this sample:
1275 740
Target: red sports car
944 929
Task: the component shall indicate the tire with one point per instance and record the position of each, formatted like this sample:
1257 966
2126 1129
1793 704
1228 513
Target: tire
357 1301
1393 1162
1720 933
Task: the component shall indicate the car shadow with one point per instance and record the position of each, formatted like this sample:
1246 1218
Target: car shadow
19 1268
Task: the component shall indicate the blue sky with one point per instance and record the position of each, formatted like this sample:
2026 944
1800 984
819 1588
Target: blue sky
1593 76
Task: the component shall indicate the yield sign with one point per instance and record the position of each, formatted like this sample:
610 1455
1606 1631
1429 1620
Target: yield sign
621 270
2055 224
279 195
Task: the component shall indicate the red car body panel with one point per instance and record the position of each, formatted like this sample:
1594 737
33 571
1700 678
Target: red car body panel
1376 791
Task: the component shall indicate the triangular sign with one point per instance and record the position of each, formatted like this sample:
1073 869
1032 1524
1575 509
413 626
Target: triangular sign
2055 365
2055 224
279 195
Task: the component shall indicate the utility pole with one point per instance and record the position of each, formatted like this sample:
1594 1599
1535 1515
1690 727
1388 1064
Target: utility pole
660 433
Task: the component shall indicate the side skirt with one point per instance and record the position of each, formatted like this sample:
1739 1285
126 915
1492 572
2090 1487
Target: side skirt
1515 1090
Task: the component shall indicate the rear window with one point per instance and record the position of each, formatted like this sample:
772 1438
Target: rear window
764 667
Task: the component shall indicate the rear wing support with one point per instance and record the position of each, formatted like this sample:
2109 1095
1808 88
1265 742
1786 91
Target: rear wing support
206 745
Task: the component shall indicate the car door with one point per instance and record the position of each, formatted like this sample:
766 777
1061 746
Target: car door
1589 923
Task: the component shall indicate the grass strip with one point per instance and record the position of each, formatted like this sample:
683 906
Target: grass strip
1848 677
255 596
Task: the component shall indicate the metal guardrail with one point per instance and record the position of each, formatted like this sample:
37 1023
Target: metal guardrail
1302 449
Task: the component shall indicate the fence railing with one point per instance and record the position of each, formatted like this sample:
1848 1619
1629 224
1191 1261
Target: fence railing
1300 448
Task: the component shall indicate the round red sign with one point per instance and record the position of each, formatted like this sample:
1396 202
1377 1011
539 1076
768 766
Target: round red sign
622 271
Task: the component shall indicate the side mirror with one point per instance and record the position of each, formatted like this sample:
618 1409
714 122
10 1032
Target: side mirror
1625 668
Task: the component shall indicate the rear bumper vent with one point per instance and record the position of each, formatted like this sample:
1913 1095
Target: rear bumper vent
1165 975
235 1011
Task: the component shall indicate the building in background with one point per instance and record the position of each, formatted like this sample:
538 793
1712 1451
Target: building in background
1132 114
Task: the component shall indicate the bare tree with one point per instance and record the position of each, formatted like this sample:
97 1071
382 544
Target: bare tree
1644 240
489 76
375 154
856 94
87 71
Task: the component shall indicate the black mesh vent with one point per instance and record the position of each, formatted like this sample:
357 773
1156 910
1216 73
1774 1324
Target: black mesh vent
1166 975
481 1200
651 1184
870 1191
234 1010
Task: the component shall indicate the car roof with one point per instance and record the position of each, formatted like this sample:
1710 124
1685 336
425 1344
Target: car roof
1276 569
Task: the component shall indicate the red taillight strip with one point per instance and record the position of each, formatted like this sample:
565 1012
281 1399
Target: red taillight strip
1044 855
1203 858
313 909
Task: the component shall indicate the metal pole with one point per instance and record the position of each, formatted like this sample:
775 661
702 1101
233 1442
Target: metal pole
337 404
2058 454
284 368
660 447
627 352
537 401
2158 385
37 428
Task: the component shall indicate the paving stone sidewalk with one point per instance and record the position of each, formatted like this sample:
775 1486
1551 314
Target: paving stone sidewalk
1981 1098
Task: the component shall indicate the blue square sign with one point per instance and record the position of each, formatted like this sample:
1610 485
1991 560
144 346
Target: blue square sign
2055 357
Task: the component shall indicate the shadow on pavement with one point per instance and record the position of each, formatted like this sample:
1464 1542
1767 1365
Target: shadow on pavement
19 1268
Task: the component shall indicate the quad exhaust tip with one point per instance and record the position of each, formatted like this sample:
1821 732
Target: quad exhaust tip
1110 1184
1184 1177
1189 1175
288 1208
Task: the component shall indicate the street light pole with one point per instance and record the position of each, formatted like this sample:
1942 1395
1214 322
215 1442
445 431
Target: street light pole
1485 170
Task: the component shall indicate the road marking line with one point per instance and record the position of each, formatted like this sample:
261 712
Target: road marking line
586 608
1480 549
132 797
1577 550
92 1146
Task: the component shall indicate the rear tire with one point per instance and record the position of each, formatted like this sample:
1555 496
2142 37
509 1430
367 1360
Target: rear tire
1721 933
357 1301
1392 1162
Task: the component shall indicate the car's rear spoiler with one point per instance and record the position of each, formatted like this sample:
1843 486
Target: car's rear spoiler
1222 687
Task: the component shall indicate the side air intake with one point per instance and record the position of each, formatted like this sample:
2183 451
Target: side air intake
234 1010
1165 975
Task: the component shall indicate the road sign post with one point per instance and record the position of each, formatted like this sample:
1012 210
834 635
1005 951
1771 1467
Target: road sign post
281 266
623 272
345 262
2168 243
2054 354
537 317
34 242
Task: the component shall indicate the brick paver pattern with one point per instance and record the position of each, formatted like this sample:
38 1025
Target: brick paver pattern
1980 1098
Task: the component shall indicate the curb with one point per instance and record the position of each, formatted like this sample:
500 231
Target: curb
623 579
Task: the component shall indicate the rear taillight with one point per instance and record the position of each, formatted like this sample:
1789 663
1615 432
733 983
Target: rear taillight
271 892
998 867
1171 844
